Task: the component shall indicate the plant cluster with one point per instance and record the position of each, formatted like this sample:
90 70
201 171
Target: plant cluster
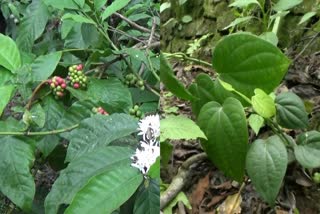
77 78
242 96
133 81
135 111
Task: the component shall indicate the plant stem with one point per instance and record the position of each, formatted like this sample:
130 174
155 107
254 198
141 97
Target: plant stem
29 104
58 131
277 130
180 55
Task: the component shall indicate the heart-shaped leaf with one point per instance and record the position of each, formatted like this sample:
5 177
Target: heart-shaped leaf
256 122
226 129
266 165
263 104
248 62
307 150
291 112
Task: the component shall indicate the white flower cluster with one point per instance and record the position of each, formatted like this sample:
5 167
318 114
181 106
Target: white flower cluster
149 148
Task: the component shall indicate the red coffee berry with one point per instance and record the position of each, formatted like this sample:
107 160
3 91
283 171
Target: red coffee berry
79 67
76 85
63 85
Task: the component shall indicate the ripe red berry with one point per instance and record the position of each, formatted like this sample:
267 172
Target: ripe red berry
49 82
76 85
79 67
63 85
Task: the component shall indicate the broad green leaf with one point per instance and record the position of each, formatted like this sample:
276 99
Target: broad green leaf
270 37
76 113
6 92
66 27
9 53
53 113
82 36
111 92
256 122
248 62
71 4
179 127
114 7
154 171
11 125
32 25
77 18
6 76
244 3
266 166
307 16
283 5
171 82
263 104
226 129
164 6
148 199
77 174
229 87
107 191
186 19
307 150
44 65
99 3
16 181
238 21
181 197
38 115
291 111
98 131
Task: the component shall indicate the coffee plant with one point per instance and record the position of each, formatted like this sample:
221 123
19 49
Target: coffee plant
243 95
67 114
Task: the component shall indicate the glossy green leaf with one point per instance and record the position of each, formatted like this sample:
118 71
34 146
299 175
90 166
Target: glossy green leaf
9 53
266 166
307 150
248 62
179 127
171 82
6 76
99 3
82 36
77 18
238 21
148 199
263 104
6 92
16 181
73 4
38 115
114 7
32 25
11 125
226 129
78 173
107 191
111 92
291 111
181 197
44 66
256 122
270 37
307 17
283 5
76 113
154 171
98 131
243 3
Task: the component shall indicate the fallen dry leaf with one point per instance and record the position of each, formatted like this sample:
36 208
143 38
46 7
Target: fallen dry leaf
231 205
198 193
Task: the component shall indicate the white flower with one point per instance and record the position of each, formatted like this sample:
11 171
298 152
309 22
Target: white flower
149 128
145 156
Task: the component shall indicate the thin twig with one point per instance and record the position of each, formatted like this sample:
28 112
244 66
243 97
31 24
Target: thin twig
179 180
133 24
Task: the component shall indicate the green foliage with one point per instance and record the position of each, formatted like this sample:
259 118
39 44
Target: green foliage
148 199
255 122
307 150
226 129
291 111
56 117
172 84
239 58
16 181
180 197
266 165
178 127
263 104
283 5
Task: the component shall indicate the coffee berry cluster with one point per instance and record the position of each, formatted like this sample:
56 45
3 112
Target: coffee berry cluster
58 86
136 112
100 110
76 77
131 80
